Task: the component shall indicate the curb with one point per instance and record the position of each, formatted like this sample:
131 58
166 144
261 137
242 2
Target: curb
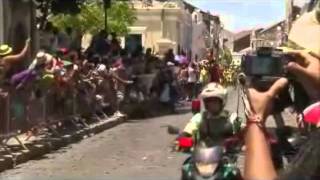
44 146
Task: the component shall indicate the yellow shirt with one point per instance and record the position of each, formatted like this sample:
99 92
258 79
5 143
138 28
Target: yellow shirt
204 76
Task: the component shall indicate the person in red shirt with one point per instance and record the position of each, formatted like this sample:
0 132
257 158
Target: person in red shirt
215 70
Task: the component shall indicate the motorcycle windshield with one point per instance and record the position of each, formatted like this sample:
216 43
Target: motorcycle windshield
208 155
207 160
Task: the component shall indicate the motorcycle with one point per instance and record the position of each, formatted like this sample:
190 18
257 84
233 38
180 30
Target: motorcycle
207 163
286 146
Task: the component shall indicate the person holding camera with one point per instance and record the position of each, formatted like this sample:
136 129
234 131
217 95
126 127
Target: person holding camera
305 66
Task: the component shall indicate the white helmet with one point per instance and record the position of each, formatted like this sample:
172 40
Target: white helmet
101 68
214 90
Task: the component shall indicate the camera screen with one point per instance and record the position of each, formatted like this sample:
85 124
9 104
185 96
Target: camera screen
266 66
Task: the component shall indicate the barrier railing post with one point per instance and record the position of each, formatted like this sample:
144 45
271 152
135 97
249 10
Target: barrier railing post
8 133
44 109
8 115
48 122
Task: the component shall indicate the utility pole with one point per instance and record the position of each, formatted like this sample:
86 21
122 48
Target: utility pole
162 22
32 27
216 39
289 14
107 5
2 26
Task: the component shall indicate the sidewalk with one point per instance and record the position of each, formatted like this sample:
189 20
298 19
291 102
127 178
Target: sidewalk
41 145
38 146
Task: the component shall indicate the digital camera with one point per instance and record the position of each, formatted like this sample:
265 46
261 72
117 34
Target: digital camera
266 65
266 62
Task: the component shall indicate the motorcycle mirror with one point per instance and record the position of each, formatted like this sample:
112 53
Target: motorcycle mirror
242 78
173 130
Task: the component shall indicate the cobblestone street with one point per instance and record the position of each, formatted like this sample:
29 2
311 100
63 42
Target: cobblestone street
138 149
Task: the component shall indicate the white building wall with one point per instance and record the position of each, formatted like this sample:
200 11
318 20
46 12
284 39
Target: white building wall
179 27
229 36
17 23
186 31
198 36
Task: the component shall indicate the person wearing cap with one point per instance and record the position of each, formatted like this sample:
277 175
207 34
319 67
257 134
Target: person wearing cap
118 74
305 33
43 65
104 91
7 59
110 80
35 68
47 62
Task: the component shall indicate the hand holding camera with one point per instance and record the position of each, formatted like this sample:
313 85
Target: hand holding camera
262 102
306 69
269 72
266 64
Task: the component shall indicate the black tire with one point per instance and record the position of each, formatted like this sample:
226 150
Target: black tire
184 176
277 156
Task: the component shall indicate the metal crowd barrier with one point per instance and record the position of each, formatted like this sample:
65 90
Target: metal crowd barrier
22 112
30 112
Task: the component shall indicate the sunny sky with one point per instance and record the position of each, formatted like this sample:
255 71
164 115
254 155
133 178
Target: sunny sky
238 15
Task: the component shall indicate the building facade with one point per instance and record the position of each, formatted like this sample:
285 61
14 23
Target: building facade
242 41
274 35
227 39
200 35
17 23
161 25
1 22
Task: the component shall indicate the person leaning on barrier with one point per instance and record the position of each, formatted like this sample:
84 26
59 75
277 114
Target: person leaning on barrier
7 59
306 67
36 68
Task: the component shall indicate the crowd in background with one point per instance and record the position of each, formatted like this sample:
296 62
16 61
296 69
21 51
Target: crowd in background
100 74
103 72
190 75
179 74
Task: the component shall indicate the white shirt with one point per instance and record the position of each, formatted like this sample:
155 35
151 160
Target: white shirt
192 76
86 41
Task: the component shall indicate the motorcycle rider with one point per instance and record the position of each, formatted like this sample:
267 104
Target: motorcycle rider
210 130
214 124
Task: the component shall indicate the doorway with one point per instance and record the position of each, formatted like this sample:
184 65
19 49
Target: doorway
133 42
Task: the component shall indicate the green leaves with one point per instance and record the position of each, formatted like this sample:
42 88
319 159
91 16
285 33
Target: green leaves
91 17
225 57
120 16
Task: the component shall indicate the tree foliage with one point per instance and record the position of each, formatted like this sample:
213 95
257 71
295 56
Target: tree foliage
92 17
226 56
47 7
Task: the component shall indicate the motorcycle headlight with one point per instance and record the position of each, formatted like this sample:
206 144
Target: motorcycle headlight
206 170
207 160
